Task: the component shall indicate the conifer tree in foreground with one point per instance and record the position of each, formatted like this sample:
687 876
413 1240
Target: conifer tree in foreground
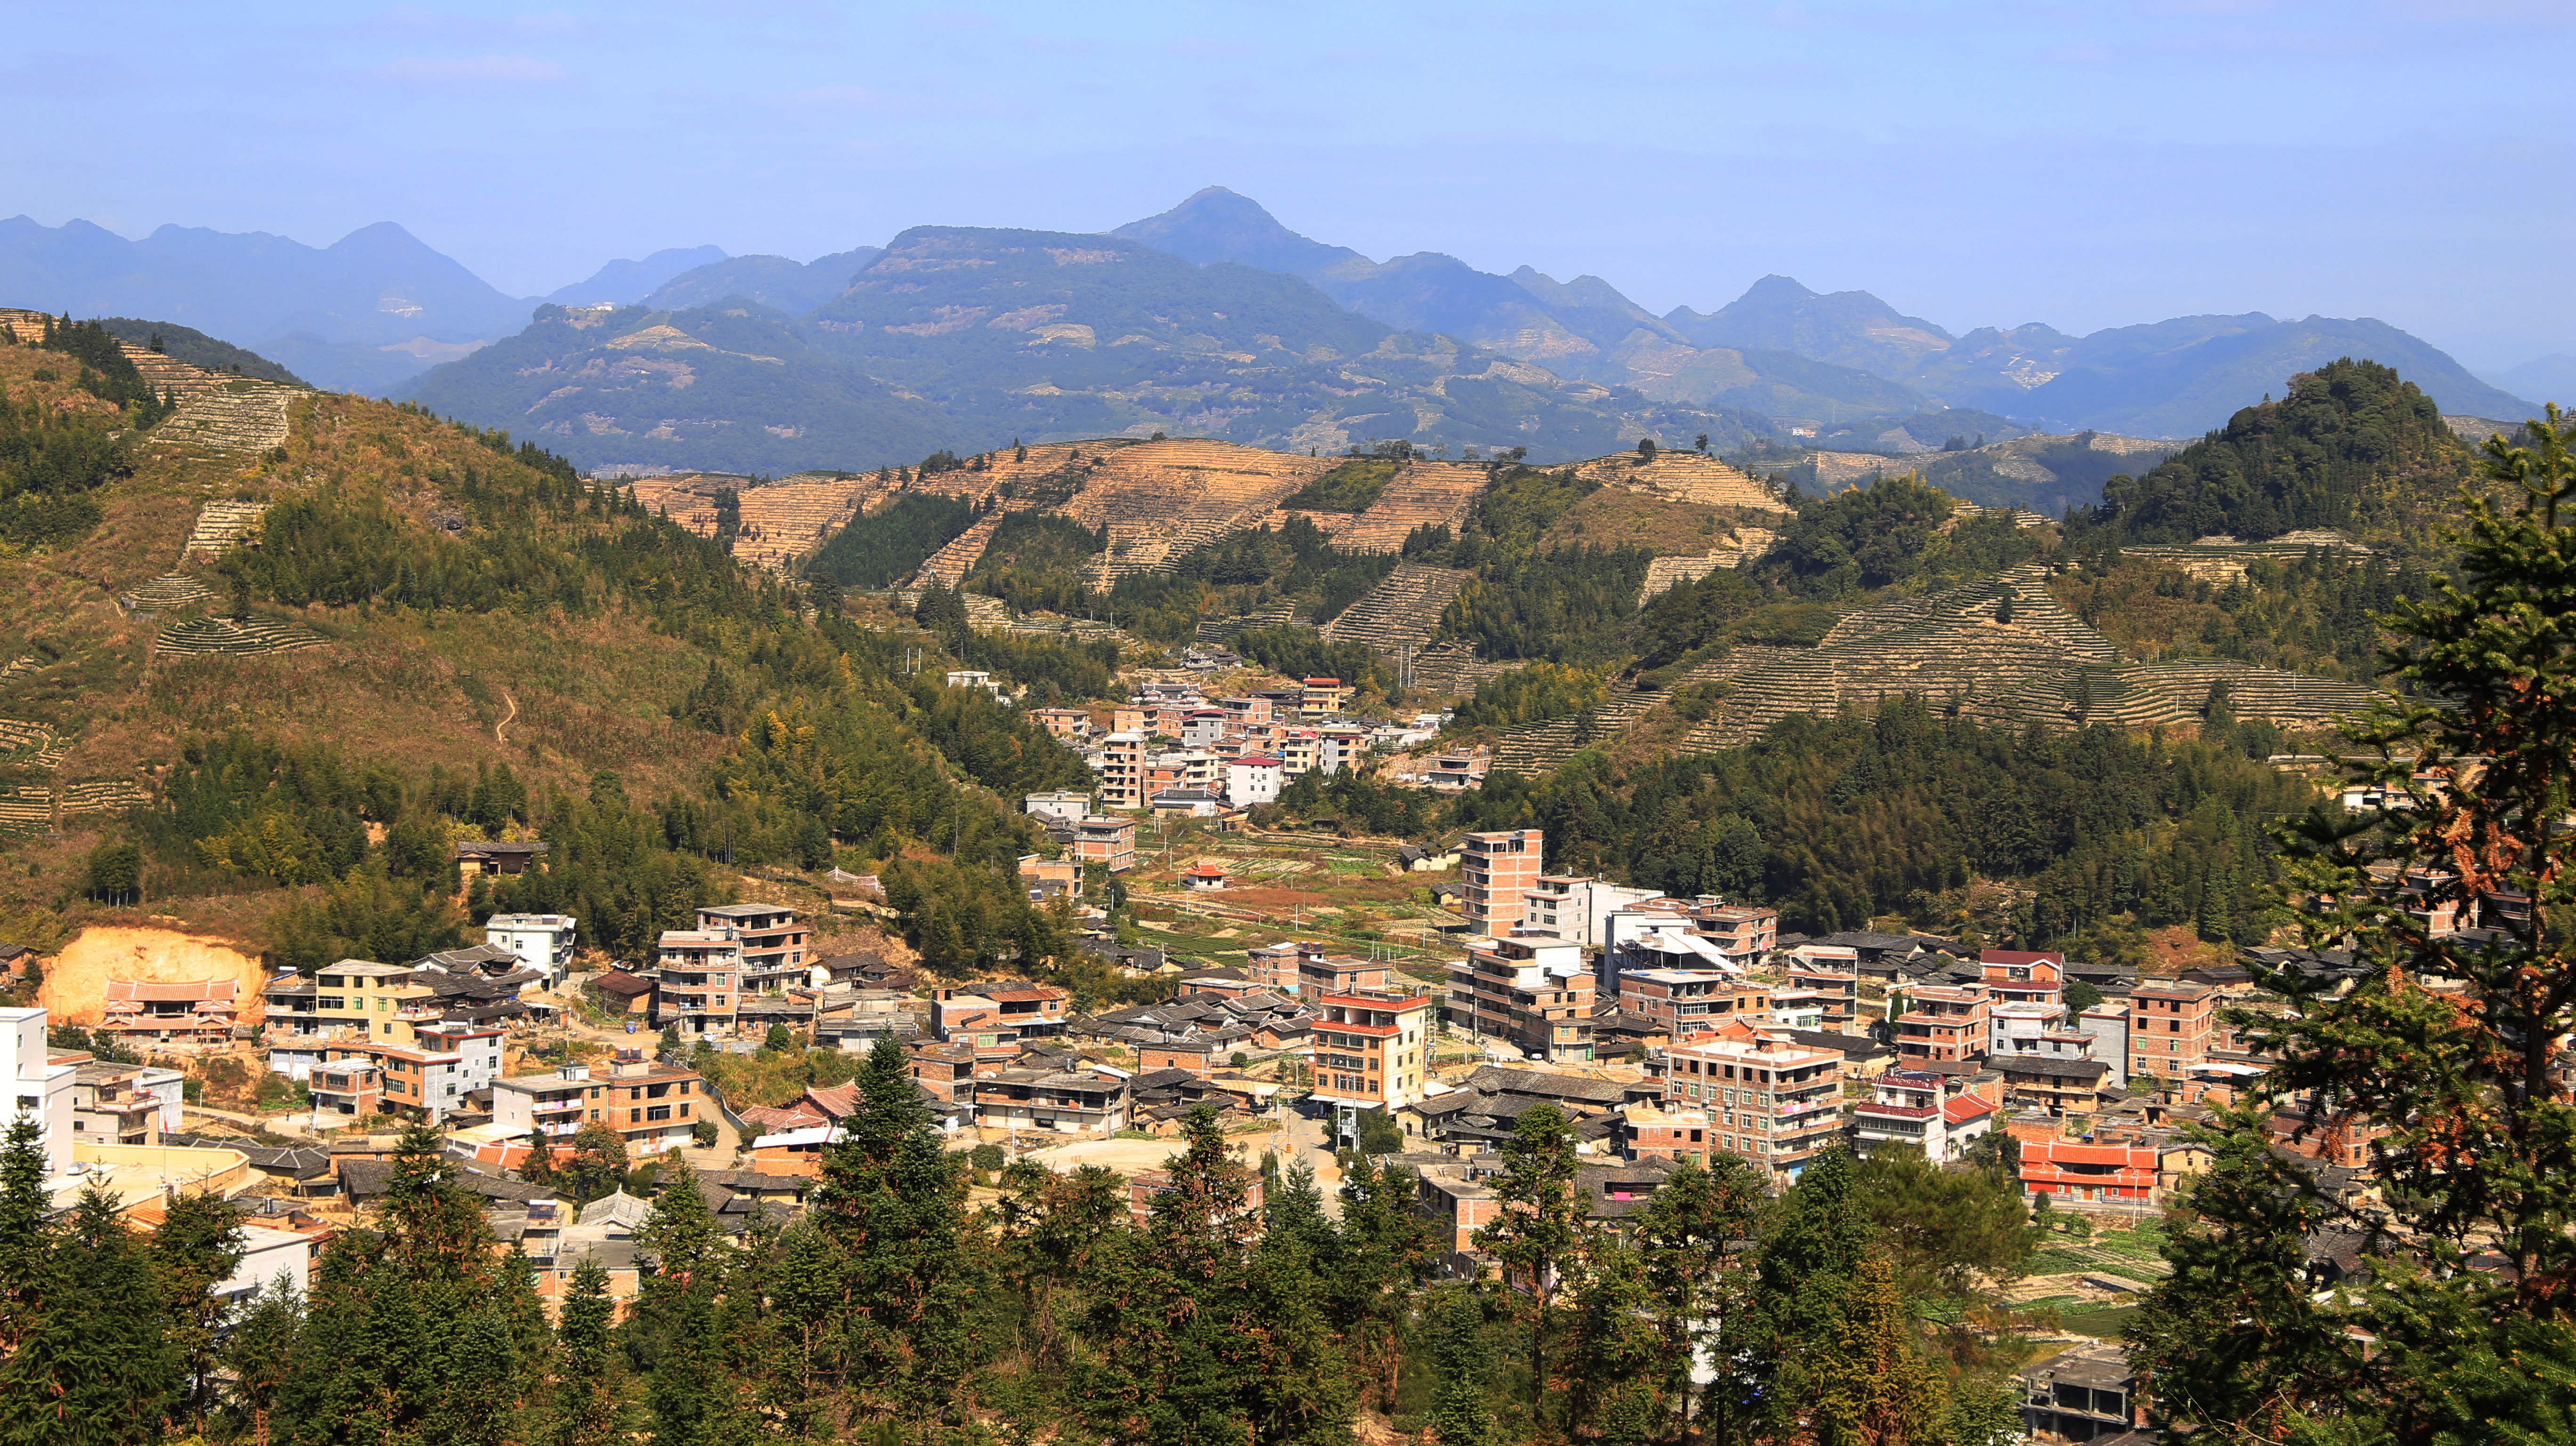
2466 1331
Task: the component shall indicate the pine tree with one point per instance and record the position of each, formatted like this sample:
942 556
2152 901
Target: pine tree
1696 1233
1872 1389
2480 1150
196 1249
1540 1228
1463 1360
1801 1281
97 1367
588 1367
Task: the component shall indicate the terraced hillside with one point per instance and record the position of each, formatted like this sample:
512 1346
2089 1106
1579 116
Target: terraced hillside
786 520
1161 499
2002 649
2224 559
1425 493
1401 610
1683 477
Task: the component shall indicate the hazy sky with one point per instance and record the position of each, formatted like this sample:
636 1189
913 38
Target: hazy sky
2085 164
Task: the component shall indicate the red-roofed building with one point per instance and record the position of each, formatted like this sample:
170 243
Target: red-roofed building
1204 875
200 1012
2015 977
2072 1173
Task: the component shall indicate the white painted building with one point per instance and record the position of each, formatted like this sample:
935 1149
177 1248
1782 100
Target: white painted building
1575 908
38 1088
542 942
1251 779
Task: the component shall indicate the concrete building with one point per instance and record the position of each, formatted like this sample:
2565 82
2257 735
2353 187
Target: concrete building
1047 878
110 1107
2170 1023
2108 1023
359 999
2014 1027
1944 1024
1319 974
1690 1002
1499 869
697 985
1052 1101
1575 907
345 1091
1775 1101
2088 1394
558 1103
1745 933
773 943
1532 992
1251 779
648 1104
542 942
1682 1134
1063 804
2016 977
1108 842
1371 1048
1122 770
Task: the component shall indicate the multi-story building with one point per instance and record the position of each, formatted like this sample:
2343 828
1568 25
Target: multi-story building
2061 1086
1065 1102
2016 977
423 1083
2014 1027
1745 933
110 1106
1499 870
1321 697
558 1103
1902 1112
1251 779
1029 1010
1069 724
773 943
349 1089
1275 966
1837 990
2073 1173
1532 992
1690 1002
358 999
1047 878
1575 907
1371 1048
37 1086
1458 769
1943 1024
1682 1134
1108 842
2091 1393
1319 974
2108 1023
697 986
1298 751
1340 745
651 1105
1122 769
477 1051
542 942
2169 1027
1774 1101
1063 805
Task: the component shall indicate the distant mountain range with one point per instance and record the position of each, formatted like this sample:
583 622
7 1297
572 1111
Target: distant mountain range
1784 350
964 338
1455 355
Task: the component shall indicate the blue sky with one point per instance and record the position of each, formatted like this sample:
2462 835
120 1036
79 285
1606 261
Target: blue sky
2083 164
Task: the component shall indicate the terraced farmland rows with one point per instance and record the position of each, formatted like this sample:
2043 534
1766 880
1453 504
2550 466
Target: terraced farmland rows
1401 610
220 525
251 637
236 416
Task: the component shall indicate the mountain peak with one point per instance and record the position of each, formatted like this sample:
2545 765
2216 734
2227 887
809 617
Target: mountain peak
1216 224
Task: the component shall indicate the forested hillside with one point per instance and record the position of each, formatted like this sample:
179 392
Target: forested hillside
472 641
2350 446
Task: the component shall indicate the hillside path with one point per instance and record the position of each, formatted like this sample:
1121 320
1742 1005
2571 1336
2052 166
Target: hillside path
506 717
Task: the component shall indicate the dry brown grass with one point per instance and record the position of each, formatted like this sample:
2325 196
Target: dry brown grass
1616 517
